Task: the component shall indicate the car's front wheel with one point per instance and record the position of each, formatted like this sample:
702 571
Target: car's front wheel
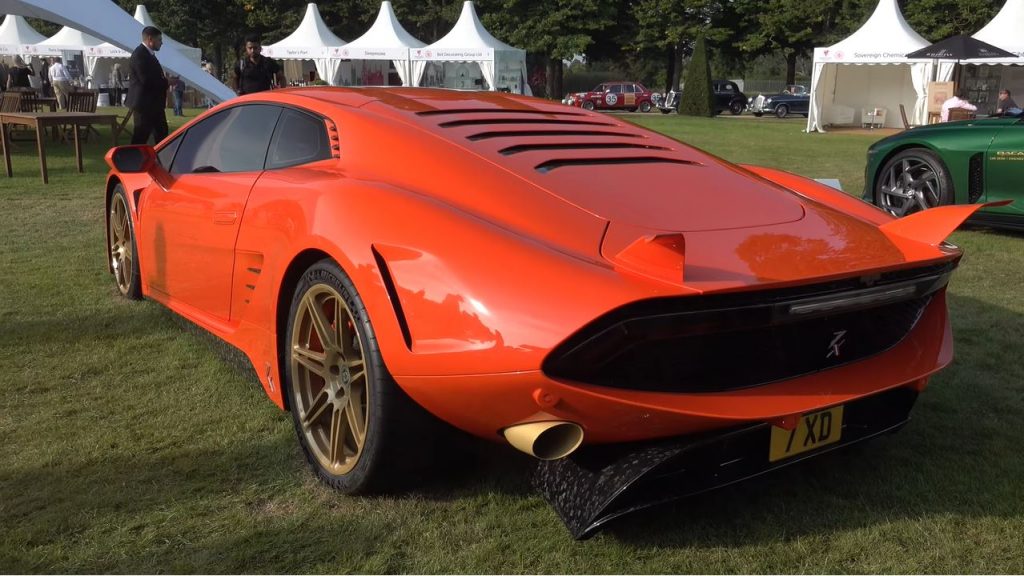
781 111
355 425
913 180
645 107
121 246
588 105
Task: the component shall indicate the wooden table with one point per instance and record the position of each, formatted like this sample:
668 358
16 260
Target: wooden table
40 121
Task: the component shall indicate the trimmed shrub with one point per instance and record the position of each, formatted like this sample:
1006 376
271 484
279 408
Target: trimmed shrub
698 99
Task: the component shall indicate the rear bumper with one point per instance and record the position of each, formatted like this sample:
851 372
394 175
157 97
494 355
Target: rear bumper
600 483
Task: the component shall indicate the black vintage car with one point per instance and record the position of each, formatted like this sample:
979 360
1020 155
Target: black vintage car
794 99
727 97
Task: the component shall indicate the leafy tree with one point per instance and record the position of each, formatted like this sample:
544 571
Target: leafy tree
698 99
671 28
556 30
938 19
793 27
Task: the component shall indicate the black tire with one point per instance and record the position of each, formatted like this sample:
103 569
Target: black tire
645 107
781 111
394 427
666 110
122 248
757 114
588 105
736 107
913 180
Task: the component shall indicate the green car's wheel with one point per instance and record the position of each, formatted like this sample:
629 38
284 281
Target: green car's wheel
911 181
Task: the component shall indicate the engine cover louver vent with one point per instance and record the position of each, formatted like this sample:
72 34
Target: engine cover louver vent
520 148
550 165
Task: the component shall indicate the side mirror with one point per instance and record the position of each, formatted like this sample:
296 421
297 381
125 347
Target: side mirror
132 159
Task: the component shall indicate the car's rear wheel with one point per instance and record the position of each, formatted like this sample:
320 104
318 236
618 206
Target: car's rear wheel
588 105
911 181
353 422
781 111
736 108
645 107
121 246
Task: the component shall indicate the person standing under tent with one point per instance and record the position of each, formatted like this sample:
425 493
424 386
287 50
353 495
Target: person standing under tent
18 75
61 82
147 89
44 78
256 72
116 84
177 93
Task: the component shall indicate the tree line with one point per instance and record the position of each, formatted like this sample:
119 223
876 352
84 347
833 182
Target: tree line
642 38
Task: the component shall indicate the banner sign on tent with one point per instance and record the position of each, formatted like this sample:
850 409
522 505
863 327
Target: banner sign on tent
29 50
453 55
107 51
356 53
296 53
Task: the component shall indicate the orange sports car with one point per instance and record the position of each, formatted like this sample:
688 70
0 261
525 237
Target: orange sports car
647 319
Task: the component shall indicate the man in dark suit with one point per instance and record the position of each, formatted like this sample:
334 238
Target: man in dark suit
147 89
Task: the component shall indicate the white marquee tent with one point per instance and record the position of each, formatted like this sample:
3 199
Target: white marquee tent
17 37
868 70
1006 31
106 21
312 40
70 40
468 43
385 41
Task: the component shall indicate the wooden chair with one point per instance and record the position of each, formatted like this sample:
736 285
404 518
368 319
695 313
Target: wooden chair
83 101
960 114
903 116
17 101
11 101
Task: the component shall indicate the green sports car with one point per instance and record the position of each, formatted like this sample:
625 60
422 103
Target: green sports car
951 163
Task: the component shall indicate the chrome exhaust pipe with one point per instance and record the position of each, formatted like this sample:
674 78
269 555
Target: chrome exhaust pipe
545 440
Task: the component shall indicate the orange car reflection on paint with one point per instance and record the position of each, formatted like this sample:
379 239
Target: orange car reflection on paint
522 270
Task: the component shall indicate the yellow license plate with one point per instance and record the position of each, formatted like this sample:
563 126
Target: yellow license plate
814 431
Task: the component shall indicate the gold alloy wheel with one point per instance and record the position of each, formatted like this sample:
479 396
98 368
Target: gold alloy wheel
121 254
330 386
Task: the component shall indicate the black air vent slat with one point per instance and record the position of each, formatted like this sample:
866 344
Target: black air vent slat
535 133
975 178
486 121
579 146
496 111
553 164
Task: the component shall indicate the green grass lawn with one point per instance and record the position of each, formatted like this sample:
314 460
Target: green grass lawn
130 442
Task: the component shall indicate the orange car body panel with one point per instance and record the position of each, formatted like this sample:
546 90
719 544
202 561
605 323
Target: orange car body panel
499 252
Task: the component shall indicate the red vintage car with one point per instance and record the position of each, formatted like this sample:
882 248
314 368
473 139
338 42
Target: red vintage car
630 96
545 276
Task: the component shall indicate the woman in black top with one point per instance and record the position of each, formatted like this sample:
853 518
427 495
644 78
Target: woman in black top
18 75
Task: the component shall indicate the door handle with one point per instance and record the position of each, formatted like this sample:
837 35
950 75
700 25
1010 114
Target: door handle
225 217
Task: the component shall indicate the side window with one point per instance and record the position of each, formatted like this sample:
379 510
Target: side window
235 140
616 89
299 139
166 154
627 88
729 88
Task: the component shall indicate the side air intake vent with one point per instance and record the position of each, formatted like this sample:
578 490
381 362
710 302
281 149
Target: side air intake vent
555 133
554 164
486 121
975 178
580 146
